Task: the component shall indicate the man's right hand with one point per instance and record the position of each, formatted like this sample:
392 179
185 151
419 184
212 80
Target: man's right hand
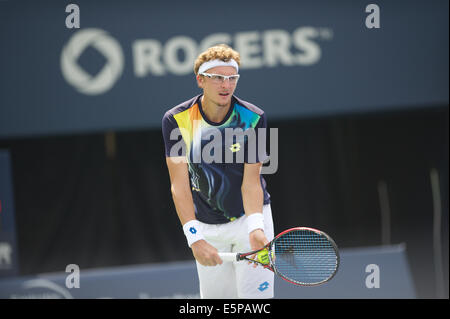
205 254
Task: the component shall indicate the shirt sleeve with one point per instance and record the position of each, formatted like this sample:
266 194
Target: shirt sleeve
172 136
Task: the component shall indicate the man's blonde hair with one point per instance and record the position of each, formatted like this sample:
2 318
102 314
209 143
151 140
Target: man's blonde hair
221 51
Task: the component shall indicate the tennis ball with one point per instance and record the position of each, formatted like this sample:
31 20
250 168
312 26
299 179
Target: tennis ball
263 256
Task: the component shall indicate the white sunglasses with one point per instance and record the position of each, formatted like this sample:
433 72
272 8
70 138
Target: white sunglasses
219 78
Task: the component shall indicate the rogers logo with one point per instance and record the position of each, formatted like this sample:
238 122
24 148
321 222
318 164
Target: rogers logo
151 57
79 78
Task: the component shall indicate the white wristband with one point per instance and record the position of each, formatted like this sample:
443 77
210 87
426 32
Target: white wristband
255 221
192 231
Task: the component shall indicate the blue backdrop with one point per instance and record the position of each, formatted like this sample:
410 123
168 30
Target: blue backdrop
131 60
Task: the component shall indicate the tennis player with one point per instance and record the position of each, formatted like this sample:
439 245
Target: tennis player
223 205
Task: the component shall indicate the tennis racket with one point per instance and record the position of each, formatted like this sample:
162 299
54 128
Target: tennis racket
302 256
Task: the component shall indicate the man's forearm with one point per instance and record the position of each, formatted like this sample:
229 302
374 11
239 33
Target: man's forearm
184 205
252 198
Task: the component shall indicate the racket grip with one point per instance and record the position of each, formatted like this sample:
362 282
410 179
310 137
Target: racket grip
228 257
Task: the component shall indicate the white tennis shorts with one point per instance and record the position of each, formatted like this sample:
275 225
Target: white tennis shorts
235 279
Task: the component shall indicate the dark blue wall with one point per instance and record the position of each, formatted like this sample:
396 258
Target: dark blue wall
300 58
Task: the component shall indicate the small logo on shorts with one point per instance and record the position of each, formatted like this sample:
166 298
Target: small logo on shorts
263 286
193 230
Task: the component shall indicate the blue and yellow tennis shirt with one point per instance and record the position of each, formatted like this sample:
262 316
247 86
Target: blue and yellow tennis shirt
216 157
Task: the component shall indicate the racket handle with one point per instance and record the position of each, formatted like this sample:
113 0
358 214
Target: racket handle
228 257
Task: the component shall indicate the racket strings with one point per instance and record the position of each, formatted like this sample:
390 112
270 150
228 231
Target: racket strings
305 257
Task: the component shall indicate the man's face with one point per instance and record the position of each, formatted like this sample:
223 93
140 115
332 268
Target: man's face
218 92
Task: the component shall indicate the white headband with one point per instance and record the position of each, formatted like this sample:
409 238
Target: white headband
213 63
